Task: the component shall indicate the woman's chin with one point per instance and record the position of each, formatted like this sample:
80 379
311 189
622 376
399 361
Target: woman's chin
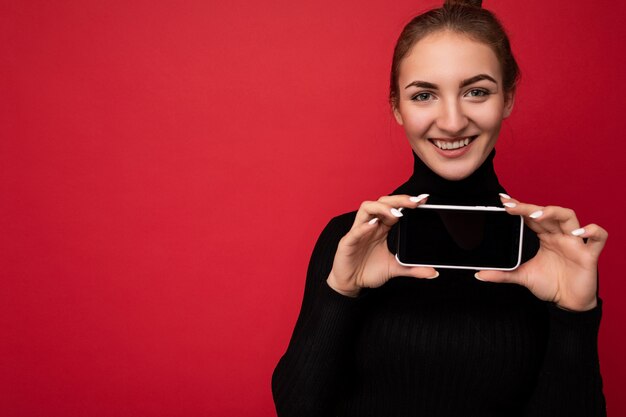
452 166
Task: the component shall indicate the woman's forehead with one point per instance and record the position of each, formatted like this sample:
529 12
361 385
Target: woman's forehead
447 56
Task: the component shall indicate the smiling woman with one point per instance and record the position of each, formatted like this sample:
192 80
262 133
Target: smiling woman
453 104
375 337
167 166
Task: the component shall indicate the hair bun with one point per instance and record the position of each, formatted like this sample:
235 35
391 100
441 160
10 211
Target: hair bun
467 3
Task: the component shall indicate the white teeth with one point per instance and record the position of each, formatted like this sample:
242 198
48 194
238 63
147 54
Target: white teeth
452 145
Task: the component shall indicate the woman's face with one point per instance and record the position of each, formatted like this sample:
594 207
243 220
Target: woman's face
451 102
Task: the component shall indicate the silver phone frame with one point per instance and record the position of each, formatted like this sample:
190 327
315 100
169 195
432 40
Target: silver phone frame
472 208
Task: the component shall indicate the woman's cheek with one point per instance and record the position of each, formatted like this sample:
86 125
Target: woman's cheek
417 125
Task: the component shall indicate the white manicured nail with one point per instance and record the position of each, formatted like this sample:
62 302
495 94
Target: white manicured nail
505 196
477 277
578 232
396 213
418 198
536 214
373 221
510 205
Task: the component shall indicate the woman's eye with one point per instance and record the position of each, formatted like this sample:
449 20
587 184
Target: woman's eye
422 97
477 93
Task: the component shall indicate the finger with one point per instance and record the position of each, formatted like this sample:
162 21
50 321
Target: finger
510 277
507 200
359 231
530 212
558 219
552 218
403 200
596 237
399 202
369 210
425 272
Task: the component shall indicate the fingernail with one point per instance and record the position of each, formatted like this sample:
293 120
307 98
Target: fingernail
477 277
578 232
434 276
510 205
396 213
418 198
536 214
373 221
505 196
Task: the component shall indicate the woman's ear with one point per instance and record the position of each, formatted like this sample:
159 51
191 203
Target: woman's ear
397 115
509 102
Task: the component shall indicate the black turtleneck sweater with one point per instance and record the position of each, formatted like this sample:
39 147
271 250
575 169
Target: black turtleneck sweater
451 346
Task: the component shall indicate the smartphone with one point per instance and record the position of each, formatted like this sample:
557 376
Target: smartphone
460 237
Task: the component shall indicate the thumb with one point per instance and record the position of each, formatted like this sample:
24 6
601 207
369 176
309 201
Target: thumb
416 272
396 269
498 276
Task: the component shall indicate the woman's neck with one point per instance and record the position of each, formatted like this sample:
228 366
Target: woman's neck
480 188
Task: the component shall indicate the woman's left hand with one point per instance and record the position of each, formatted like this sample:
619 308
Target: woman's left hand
565 269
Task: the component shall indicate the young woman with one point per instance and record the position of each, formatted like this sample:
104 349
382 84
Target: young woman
375 338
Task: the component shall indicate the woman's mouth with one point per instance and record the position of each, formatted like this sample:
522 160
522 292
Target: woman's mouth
453 144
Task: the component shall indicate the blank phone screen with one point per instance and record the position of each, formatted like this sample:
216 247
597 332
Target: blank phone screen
459 238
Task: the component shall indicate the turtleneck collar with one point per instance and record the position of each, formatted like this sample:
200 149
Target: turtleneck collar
480 188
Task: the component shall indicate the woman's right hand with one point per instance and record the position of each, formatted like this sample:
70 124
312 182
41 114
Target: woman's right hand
363 259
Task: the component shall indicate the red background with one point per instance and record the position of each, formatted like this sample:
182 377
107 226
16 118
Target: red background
165 169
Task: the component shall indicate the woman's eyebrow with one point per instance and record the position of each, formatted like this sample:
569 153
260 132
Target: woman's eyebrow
422 84
464 83
477 78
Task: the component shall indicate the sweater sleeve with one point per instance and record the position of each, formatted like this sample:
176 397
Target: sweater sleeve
569 383
312 372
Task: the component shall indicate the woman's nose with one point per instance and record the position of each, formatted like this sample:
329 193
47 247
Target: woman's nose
452 118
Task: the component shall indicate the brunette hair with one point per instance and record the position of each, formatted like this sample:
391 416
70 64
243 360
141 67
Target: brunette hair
464 17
